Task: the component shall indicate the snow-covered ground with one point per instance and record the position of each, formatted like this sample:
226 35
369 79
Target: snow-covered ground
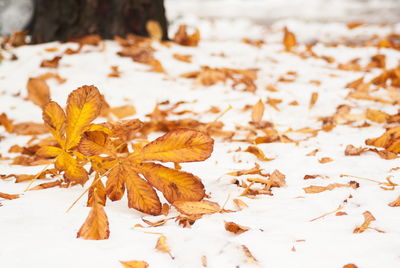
35 230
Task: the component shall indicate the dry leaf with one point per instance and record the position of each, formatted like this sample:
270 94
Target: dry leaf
115 72
46 185
123 111
368 218
351 150
240 204
235 228
38 91
197 208
184 58
350 265
390 140
376 115
277 179
313 189
162 246
134 264
258 153
325 160
53 63
183 38
289 40
9 196
395 203
313 100
95 226
249 256
258 112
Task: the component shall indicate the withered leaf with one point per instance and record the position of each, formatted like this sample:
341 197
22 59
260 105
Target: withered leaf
258 153
350 265
390 140
351 150
197 207
95 226
154 30
123 111
46 185
313 189
395 203
368 218
53 63
134 264
235 228
162 246
9 196
289 40
183 38
376 115
249 255
38 91
277 179
240 204
257 112
313 100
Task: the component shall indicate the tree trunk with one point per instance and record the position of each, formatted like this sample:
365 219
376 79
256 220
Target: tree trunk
65 19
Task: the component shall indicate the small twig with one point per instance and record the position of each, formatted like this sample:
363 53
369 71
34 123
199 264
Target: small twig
87 189
36 177
328 213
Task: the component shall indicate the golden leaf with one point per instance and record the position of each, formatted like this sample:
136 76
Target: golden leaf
376 115
95 226
313 100
197 207
83 106
235 228
54 118
73 172
97 188
175 185
368 218
257 112
115 185
29 128
134 264
179 145
38 91
49 151
141 195
289 40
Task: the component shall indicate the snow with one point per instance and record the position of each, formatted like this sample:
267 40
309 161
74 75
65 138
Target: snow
35 230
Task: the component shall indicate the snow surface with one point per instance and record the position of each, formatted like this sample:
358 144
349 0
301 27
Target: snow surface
35 230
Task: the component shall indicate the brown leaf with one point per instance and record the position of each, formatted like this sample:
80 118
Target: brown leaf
9 196
351 150
249 256
46 185
277 179
29 128
325 160
390 140
376 115
53 63
368 218
6 123
134 264
115 72
95 226
97 188
235 228
38 91
183 38
197 208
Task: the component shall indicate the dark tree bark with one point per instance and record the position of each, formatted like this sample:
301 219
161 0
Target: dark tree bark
65 19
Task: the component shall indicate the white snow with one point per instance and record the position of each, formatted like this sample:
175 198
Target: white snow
35 231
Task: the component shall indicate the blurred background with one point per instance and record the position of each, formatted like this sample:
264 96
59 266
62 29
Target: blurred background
14 14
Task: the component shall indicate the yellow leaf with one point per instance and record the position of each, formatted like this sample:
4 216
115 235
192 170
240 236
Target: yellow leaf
141 195
179 145
54 118
38 91
257 112
162 245
134 264
95 226
49 151
73 172
175 185
197 207
83 106
94 143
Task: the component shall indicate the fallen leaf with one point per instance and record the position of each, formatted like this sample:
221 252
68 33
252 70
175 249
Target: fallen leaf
9 196
325 160
53 63
313 100
368 218
376 115
197 207
313 189
395 203
183 38
258 112
240 204
235 228
258 153
38 91
162 246
249 257
123 111
289 40
154 30
352 151
277 179
350 265
134 264
184 58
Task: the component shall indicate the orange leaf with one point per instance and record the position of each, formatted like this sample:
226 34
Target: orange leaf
376 115
368 218
175 185
97 188
95 226
162 245
313 100
141 195
179 145
9 196
197 207
134 264
289 40
38 91
54 118
258 112
258 153
395 203
115 185
83 106
73 172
